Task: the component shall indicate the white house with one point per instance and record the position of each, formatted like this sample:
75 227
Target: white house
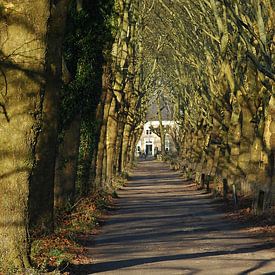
150 143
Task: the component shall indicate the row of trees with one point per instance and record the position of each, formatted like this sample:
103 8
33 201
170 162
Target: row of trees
75 80
217 59
71 109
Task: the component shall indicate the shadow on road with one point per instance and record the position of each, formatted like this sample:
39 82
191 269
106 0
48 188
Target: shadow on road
162 219
114 265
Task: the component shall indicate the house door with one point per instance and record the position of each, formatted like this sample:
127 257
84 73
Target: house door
149 150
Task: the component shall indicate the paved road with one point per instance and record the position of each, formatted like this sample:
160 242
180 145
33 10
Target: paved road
164 226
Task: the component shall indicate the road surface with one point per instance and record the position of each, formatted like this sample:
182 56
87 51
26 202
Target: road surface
164 226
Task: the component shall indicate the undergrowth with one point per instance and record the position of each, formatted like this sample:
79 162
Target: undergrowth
57 251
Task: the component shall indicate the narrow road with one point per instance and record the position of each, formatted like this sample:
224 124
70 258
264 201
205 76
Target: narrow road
164 226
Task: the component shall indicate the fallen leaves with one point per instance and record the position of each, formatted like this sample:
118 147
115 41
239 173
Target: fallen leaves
65 247
243 213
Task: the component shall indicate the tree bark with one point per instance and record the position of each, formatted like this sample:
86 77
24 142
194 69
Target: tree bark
66 165
119 140
103 129
23 52
41 201
125 146
161 129
112 127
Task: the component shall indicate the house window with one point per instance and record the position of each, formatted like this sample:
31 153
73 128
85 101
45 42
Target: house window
148 132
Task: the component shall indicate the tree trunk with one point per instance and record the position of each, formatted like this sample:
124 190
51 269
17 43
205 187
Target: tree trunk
23 30
118 155
125 146
42 179
104 167
85 159
161 130
269 136
111 138
103 129
136 135
66 165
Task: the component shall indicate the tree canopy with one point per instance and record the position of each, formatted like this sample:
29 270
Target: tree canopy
77 78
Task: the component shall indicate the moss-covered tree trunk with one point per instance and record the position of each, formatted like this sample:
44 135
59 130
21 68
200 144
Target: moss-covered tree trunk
125 146
85 158
120 55
103 129
135 137
66 165
42 180
111 138
23 51
119 140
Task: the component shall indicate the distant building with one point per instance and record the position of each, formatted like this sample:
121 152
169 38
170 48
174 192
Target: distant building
150 143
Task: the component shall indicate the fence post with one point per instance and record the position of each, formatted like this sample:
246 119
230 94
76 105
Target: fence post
235 196
225 189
